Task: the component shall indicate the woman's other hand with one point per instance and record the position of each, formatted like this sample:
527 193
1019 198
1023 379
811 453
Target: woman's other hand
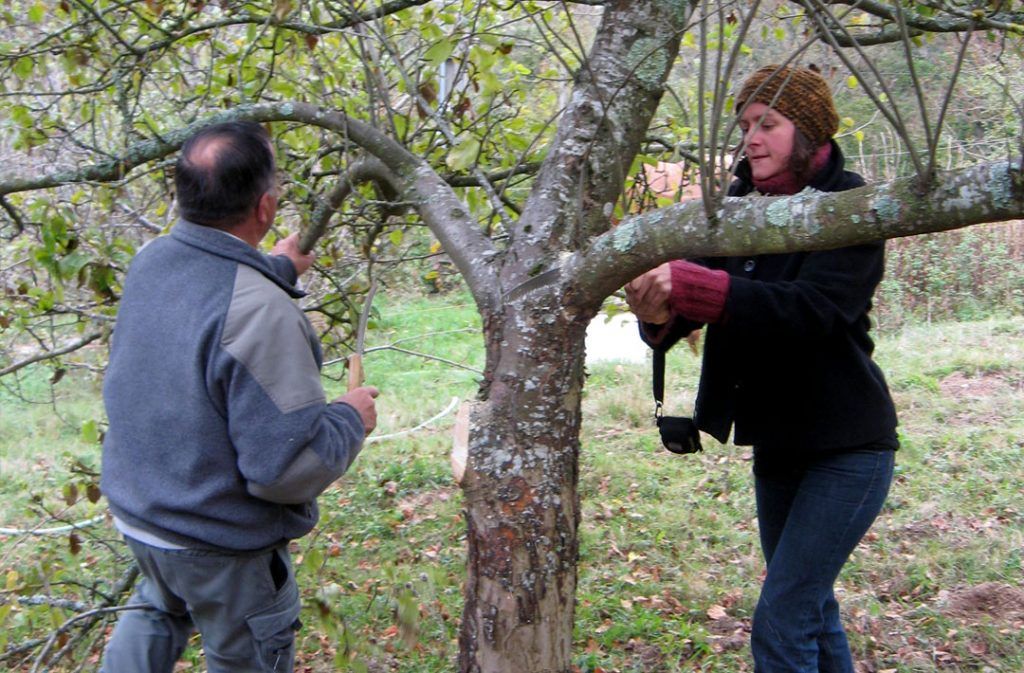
648 295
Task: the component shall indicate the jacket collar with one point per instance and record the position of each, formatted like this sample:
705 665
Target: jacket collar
223 244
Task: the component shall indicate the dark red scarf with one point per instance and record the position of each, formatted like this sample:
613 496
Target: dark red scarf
787 183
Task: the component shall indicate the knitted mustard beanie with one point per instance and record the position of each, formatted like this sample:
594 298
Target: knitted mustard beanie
805 99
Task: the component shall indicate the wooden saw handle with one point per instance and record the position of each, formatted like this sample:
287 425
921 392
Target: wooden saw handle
355 371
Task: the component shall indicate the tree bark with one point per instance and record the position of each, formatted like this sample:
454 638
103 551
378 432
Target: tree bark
521 500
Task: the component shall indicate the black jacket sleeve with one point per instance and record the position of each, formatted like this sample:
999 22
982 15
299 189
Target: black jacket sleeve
816 293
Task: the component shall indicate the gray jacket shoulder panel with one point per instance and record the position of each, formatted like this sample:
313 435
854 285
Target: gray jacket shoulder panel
269 335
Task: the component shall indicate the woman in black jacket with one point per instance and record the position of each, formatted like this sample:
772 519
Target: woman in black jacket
787 366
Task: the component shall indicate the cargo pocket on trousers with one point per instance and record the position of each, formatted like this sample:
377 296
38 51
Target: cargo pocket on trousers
273 630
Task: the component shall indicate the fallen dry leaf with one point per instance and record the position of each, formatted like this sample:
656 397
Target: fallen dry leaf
717 612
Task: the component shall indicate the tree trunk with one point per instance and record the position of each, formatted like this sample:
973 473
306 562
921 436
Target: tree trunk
521 500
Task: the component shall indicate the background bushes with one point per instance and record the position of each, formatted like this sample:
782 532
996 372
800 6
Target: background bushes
967 274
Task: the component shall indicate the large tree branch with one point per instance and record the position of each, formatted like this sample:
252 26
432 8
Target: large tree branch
448 217
617 92
530 168
808 220
949 20
365 170
348 19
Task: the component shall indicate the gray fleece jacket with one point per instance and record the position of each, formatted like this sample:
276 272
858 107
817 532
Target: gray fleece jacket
220 436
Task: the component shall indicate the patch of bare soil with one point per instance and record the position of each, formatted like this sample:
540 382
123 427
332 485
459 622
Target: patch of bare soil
646 657
959 386
957 531
726 632
1000 602
978 396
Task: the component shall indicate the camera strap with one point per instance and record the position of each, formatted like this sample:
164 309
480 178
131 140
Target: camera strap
658 381
678 434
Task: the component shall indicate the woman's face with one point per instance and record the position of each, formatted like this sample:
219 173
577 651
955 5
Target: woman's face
768 136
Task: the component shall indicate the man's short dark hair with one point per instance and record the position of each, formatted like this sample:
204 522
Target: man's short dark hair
222 172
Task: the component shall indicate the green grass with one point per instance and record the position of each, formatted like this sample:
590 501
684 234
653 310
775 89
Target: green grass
669 563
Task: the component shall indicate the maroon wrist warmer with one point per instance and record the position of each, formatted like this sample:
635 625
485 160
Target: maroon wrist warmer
698 293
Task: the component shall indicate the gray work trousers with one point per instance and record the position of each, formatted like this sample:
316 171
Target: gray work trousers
246 608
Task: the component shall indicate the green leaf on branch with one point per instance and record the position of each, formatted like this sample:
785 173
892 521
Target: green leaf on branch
70 265
23 67
90 432
463 155
490 83
440 52
313 560
21 114
37 12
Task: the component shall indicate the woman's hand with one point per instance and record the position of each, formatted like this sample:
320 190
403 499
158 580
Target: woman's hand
648 295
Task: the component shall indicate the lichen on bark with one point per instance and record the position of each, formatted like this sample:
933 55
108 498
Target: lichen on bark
648 60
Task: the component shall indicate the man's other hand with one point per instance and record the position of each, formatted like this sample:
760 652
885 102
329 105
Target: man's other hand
361 399
289 247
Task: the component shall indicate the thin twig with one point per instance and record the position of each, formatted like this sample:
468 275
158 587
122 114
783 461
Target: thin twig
62 603
934 145
49 355
892 112
932 140
93 615
123 585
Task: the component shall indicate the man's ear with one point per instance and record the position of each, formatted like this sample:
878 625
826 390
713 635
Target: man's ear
266 209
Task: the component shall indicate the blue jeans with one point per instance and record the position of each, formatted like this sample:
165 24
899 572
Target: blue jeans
811 514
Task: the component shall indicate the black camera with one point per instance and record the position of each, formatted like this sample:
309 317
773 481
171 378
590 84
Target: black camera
679 434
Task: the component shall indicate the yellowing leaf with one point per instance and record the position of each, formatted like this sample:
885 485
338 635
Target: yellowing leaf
23 67
37 12
438 53
282 8
90 433
851 82
463 155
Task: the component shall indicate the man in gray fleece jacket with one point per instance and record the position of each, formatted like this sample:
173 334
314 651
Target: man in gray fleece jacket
220 436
